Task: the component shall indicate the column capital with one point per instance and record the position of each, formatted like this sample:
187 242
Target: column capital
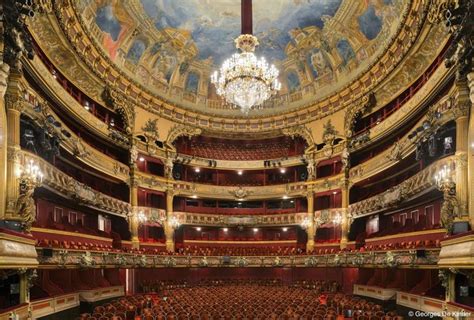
470 84
14 103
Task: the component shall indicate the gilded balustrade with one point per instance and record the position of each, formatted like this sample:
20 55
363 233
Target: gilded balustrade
404 146
420 182
212 219
77 147
188 189
93 259
435 83
64 99
58 181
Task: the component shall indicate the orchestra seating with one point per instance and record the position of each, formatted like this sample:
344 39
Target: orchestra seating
263 299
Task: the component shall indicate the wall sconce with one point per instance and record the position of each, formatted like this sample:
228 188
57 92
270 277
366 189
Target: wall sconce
174 222
306 223
29 179
444 180
142 218
337 219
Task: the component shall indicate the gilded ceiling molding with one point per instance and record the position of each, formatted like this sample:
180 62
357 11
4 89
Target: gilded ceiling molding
180 130
303 132
147 101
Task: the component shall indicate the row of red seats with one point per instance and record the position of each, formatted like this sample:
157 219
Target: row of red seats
75 245
241 152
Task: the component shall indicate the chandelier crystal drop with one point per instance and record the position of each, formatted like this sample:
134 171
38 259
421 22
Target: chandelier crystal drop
244 80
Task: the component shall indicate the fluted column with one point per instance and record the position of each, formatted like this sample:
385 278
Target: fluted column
168 227
14 107
133 222
310 229
4 72
345 221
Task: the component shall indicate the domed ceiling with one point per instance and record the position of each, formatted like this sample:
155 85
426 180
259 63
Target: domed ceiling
172 46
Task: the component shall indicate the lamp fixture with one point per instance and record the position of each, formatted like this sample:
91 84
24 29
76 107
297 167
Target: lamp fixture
174 222
337 219
306 223
244 80
142 218
444 178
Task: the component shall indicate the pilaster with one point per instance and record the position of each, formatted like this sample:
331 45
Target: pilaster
4 72
310 230
14 108
168 225
345 221
133 217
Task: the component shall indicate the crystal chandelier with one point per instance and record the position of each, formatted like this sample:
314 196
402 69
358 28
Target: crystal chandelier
244 80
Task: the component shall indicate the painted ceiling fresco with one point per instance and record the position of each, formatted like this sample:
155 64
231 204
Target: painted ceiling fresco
173 45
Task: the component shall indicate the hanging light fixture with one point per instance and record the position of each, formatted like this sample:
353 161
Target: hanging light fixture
244 80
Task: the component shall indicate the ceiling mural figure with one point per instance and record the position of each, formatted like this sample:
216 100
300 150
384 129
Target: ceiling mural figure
158 42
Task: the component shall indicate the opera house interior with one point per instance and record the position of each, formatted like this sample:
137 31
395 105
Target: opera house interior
236 159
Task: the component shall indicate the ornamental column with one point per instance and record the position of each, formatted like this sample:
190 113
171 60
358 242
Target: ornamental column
461 110
14 107
310 228
133 222
470 149
168 224
345 220
4 72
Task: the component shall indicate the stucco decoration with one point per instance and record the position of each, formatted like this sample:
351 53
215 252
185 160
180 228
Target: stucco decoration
178 131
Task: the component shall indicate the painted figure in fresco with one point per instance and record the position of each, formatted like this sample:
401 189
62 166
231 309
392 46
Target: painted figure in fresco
318 62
